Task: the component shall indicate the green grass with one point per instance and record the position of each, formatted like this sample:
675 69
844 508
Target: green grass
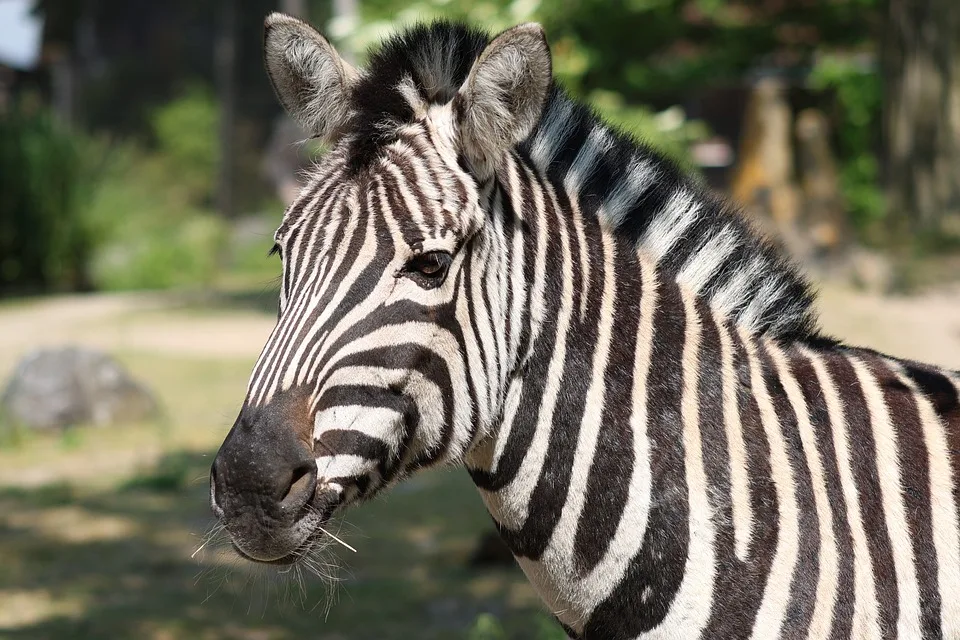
97 531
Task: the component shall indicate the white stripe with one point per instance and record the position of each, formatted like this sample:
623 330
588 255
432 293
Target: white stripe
763 301
406 195
518 284
669 225
628 539
377 422
822 619
639 177
554 128
343 466
513 501
865 611
734 293
598 142
776 593
313 324
736 448
891 490
281 343
705 261
560 548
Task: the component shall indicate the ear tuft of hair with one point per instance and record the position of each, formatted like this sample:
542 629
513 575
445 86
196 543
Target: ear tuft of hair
310 78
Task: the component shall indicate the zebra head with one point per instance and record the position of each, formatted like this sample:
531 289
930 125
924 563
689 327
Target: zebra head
394 344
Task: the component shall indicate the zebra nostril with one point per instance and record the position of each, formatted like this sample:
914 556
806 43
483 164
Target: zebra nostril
217 510
302 486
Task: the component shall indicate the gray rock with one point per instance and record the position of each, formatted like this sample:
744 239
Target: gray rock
57 388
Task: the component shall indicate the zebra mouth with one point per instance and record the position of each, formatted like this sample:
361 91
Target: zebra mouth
271 543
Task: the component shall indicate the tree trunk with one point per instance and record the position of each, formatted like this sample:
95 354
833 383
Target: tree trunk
225 66
763 178
922 113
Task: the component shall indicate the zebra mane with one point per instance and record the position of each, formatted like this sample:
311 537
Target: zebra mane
699 239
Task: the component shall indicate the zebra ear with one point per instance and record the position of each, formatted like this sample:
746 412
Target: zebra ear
309 77
503 97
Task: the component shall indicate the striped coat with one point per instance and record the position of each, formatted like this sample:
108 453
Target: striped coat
482 273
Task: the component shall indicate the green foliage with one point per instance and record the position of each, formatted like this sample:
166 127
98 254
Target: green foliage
44 174
151 208
858 94
150 238
185 131
658 50
76 213
486 627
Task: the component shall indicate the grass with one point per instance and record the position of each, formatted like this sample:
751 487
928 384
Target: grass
97 529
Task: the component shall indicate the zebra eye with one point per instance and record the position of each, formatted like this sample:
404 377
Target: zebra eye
429 269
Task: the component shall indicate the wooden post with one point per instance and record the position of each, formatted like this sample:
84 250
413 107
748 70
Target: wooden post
823 215
763 177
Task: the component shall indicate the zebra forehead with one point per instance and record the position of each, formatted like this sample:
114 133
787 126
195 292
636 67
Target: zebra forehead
406 193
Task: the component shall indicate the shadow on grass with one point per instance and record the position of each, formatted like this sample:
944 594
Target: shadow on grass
115 563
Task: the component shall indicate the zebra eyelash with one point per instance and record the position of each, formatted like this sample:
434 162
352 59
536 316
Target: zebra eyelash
275 250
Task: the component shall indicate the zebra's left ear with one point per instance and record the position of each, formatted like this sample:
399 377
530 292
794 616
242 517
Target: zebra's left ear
503 98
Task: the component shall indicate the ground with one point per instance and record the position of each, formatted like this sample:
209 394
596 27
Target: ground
99 527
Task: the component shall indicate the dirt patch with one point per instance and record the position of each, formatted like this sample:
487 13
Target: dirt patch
143 322
923 327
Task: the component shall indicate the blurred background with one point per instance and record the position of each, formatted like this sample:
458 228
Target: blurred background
144 164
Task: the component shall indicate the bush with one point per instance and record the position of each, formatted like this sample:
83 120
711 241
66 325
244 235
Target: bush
148 237
858 95
45 175
152 210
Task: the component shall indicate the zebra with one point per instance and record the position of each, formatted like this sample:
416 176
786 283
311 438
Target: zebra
480 272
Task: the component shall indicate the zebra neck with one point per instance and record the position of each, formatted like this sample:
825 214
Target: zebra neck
579 306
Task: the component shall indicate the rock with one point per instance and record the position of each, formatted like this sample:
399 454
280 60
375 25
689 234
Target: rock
61 387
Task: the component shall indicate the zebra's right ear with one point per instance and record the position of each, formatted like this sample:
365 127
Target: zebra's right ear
309 77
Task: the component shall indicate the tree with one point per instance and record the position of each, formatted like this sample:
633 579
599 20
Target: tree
922 112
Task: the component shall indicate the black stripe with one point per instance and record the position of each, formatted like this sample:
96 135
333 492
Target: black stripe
537 366
915 480
746 580
642 598
716 463
608 485
550 494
